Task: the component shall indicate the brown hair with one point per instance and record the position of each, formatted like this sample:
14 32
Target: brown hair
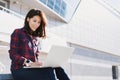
40 31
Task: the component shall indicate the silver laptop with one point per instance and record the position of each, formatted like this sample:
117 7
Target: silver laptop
58 56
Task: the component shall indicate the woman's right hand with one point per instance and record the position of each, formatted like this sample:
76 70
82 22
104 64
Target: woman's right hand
36 64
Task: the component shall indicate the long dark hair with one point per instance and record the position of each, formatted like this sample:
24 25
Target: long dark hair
40 31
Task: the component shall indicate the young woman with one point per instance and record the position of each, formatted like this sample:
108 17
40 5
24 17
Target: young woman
24 50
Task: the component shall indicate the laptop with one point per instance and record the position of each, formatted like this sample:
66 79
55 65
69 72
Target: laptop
57 56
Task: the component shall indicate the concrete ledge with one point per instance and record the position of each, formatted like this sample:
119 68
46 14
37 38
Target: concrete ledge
6 77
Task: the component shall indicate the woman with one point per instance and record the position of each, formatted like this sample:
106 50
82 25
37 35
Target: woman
24 50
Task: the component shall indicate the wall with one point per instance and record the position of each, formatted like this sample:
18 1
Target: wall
92 26
8 23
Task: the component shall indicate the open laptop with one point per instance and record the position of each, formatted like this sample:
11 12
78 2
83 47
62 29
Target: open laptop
57 56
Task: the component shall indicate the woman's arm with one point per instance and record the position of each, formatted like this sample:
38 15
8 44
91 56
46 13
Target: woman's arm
14 45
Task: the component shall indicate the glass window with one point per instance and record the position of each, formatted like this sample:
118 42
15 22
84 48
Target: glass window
2 4
50 3
57 8
63 6
63 9
43 1
62 13
58 2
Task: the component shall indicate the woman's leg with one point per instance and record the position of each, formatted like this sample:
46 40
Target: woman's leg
20 74
60 73
34 74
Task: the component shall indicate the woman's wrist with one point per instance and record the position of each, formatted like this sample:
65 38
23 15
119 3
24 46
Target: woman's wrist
24 61
27 62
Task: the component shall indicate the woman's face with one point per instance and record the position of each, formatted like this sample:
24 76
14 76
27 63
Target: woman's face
34 22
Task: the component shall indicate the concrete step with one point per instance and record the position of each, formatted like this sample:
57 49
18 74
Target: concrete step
6 77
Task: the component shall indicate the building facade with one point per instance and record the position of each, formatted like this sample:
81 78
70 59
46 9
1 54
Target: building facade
90 26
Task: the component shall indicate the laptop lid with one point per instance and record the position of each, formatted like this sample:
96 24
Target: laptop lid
58 56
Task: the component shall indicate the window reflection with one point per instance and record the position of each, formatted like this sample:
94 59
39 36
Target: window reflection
58 2
57 6
50 3
64 8
43 1
57 9
62 13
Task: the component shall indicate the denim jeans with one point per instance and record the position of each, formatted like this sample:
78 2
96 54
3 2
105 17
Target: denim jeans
34 74
60 73
39 74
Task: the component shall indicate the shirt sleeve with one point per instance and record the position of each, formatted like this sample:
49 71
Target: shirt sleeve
14 45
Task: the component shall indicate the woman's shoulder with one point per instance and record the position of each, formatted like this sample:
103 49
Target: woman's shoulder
18 31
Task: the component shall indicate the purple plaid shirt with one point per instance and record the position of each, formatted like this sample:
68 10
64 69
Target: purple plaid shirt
22 46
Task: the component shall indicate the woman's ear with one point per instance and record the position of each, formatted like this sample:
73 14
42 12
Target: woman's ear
28 19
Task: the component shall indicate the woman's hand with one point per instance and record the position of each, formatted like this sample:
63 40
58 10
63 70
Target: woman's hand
36 64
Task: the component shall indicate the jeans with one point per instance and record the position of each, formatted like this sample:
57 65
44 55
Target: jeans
60 73
39 74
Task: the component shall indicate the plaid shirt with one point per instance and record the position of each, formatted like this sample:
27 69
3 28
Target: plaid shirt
22 46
